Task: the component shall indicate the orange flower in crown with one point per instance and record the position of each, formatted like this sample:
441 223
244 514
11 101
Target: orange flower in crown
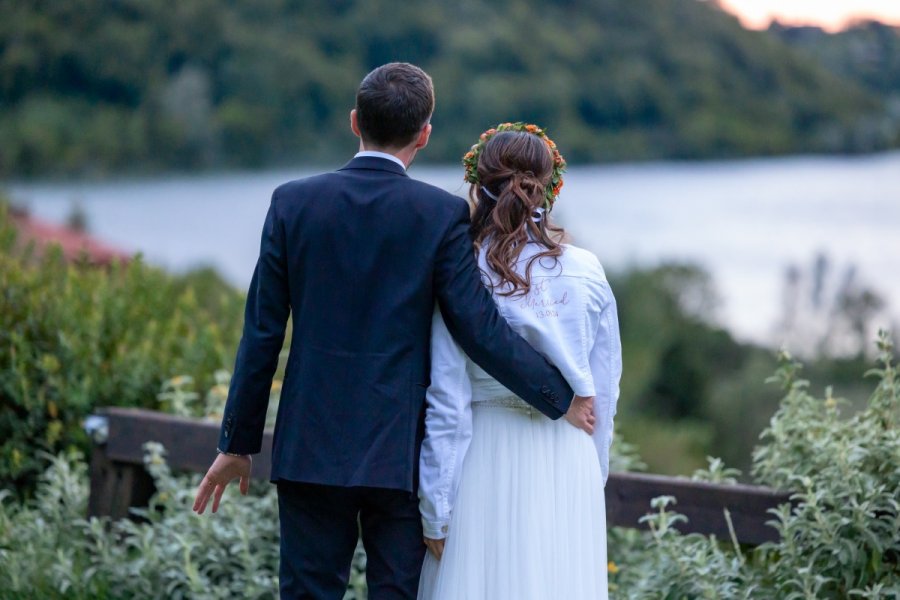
470 160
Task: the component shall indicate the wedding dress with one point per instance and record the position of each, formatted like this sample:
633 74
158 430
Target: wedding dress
519 496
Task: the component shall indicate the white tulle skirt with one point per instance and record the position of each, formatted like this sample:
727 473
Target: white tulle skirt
530 517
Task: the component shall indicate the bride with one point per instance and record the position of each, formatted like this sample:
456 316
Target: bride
512 502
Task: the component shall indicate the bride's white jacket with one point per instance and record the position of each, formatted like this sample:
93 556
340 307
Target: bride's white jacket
569 316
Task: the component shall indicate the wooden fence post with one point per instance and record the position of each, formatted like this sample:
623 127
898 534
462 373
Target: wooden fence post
116 486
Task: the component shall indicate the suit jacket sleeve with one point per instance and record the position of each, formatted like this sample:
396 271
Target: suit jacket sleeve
265 319
473 320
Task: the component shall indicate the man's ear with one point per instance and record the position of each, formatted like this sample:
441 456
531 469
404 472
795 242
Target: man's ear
422 140
354 124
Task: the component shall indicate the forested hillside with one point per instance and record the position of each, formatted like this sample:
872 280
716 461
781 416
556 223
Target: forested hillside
868 52
93 86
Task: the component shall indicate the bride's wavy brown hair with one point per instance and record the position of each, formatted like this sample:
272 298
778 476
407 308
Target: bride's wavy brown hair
514 166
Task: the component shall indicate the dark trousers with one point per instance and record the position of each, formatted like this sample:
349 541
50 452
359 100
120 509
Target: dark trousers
320 525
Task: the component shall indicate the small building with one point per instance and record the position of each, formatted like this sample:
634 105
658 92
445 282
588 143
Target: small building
75 245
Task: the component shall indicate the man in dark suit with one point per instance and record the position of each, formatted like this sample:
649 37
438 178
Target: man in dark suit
359 257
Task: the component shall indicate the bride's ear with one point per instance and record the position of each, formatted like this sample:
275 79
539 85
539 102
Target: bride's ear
422 141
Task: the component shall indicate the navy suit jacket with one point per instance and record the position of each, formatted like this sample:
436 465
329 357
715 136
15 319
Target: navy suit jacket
359 257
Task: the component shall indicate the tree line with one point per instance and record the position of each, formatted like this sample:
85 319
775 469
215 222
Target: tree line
90 87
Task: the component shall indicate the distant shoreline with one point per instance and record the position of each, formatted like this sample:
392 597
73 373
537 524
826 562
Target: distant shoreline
423 162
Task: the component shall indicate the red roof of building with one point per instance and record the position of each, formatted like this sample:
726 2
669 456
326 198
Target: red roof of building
75 245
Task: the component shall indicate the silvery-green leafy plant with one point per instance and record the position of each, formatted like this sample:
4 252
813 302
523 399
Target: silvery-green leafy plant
840 538
49 550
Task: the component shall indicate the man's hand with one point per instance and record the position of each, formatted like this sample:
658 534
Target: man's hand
436 547
223 470
581 413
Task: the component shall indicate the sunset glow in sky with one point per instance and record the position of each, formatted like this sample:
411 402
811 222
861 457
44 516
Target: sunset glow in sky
830 14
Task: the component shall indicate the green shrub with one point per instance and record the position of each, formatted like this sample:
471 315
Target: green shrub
840 540
75 337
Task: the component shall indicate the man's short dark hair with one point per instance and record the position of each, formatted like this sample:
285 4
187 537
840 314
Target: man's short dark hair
393 104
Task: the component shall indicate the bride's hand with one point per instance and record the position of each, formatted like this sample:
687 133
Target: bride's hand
581 413
436 547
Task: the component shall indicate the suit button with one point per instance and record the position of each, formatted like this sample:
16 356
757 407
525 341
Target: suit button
545 389
444 529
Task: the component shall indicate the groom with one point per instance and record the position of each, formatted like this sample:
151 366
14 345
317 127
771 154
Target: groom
359 257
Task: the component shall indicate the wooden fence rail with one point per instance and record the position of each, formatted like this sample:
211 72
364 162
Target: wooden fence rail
119 480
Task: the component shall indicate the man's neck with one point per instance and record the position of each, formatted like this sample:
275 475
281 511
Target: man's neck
404 155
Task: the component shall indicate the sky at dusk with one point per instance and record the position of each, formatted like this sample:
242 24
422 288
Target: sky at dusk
830 14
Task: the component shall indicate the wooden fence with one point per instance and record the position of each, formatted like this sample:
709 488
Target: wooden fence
119 480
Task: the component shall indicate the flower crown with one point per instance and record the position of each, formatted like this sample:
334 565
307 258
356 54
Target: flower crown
470 160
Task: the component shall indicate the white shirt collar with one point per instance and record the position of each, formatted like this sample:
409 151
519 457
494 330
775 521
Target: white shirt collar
375 154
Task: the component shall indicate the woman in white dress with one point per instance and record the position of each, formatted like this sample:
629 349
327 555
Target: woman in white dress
512 502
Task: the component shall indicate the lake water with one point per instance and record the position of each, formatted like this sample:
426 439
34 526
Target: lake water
745 221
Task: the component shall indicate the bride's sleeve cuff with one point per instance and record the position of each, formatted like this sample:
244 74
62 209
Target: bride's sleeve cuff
434 530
